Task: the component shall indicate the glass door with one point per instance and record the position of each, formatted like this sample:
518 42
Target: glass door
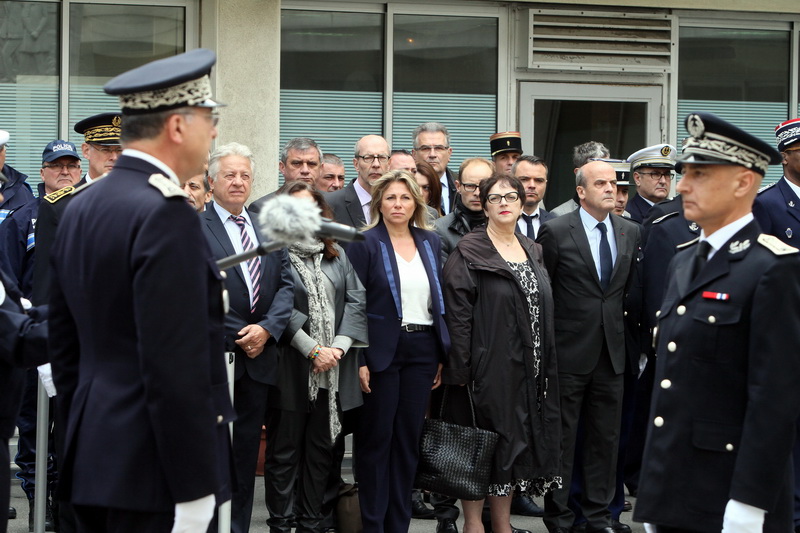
555 117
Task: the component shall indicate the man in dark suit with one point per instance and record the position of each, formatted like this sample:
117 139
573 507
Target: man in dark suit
590 255
532 172
652 172
261 301
432 144
301 159
351 205
777 210
136 320
725 404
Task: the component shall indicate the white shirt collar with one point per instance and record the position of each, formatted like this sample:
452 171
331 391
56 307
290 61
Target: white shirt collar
225 215
138 154
792 186
724 234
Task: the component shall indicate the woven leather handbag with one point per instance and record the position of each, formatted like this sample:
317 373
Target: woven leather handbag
455 460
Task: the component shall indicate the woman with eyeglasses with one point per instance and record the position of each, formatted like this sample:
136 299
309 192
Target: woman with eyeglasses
500 316
400 267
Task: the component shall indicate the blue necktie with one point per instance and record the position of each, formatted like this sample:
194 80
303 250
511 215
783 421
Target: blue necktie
606 264
529 223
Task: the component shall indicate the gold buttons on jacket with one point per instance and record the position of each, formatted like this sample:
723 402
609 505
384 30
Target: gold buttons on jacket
219 419
712 319
681 310
672 346
658 421
729 447
665 384
658 313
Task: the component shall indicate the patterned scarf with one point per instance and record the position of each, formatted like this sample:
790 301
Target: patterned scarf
320 327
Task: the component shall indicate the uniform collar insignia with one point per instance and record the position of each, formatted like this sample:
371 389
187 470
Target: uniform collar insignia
739 246
791 203
693 226
788 233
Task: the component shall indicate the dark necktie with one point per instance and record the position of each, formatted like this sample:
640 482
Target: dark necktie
253 265
529 225
700 258
606 264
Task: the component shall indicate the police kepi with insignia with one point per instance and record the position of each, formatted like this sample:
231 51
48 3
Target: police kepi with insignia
136 319
777 206
726 399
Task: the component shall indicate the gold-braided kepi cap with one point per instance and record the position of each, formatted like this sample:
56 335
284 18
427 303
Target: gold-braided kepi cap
178 81
101 129
505 141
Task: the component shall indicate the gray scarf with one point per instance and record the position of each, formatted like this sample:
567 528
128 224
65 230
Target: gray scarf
320 325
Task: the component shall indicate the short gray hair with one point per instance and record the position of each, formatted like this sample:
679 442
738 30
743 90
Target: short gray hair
226 150
430 127
332 159
582 153
580 178
301 144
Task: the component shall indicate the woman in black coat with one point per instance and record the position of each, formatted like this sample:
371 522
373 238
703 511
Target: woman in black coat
499 314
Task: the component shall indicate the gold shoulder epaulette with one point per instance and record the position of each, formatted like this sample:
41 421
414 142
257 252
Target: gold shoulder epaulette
687 244
765 187
166 186
665 217
775 245
87 184
53 197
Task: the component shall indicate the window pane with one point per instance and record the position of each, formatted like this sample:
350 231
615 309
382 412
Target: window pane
332 79
108 40
29 63
438 54
332 51
747 83
445 70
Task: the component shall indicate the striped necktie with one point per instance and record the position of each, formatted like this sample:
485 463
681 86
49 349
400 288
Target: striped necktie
253 265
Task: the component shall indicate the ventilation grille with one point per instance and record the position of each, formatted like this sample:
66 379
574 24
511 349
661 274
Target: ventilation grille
599 41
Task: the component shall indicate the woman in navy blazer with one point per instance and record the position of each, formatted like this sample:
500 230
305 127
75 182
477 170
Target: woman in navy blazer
399 266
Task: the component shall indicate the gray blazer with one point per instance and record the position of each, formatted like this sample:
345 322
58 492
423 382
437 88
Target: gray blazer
351 321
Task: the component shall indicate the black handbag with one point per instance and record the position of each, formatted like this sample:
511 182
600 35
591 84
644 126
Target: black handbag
455 460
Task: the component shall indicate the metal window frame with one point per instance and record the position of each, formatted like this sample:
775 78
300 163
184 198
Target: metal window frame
440 8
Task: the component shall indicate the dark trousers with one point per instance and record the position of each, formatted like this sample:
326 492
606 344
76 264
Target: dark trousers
796 458
299 451
596 398
250 402
389 431
641 421
26 445
93 519
5 487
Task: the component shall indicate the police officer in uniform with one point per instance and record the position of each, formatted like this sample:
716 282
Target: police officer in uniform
136 314
777 209
101 148
718 451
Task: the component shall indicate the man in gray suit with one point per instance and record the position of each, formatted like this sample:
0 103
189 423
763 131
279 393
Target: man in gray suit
590 255
351 204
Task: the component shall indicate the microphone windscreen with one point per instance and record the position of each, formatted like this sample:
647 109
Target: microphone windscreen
288 219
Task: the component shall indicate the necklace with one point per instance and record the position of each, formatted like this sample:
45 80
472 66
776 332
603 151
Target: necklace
496 238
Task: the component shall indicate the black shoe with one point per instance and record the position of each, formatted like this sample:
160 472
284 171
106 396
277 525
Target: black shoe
561 530
487 527
578 528
446 525
627 507
419 510
523 505
515 530
619 527
600 530
12 513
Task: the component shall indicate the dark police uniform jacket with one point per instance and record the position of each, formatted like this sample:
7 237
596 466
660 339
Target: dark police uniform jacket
17 244
726 399
136 342
16 193
777 209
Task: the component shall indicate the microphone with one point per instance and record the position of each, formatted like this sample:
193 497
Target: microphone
288 219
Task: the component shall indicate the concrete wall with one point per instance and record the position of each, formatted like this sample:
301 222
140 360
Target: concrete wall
246 36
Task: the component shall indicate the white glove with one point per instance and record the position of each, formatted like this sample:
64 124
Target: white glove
742 518
46 375
194 516
642 364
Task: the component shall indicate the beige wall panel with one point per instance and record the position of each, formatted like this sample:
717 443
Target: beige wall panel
765 6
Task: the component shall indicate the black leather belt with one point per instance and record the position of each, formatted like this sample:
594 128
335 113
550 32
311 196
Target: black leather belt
416 327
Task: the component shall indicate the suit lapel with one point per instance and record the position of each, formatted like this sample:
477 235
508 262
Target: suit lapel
429 260
217 229
582 242
390 266
790 199
353 206
623 242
